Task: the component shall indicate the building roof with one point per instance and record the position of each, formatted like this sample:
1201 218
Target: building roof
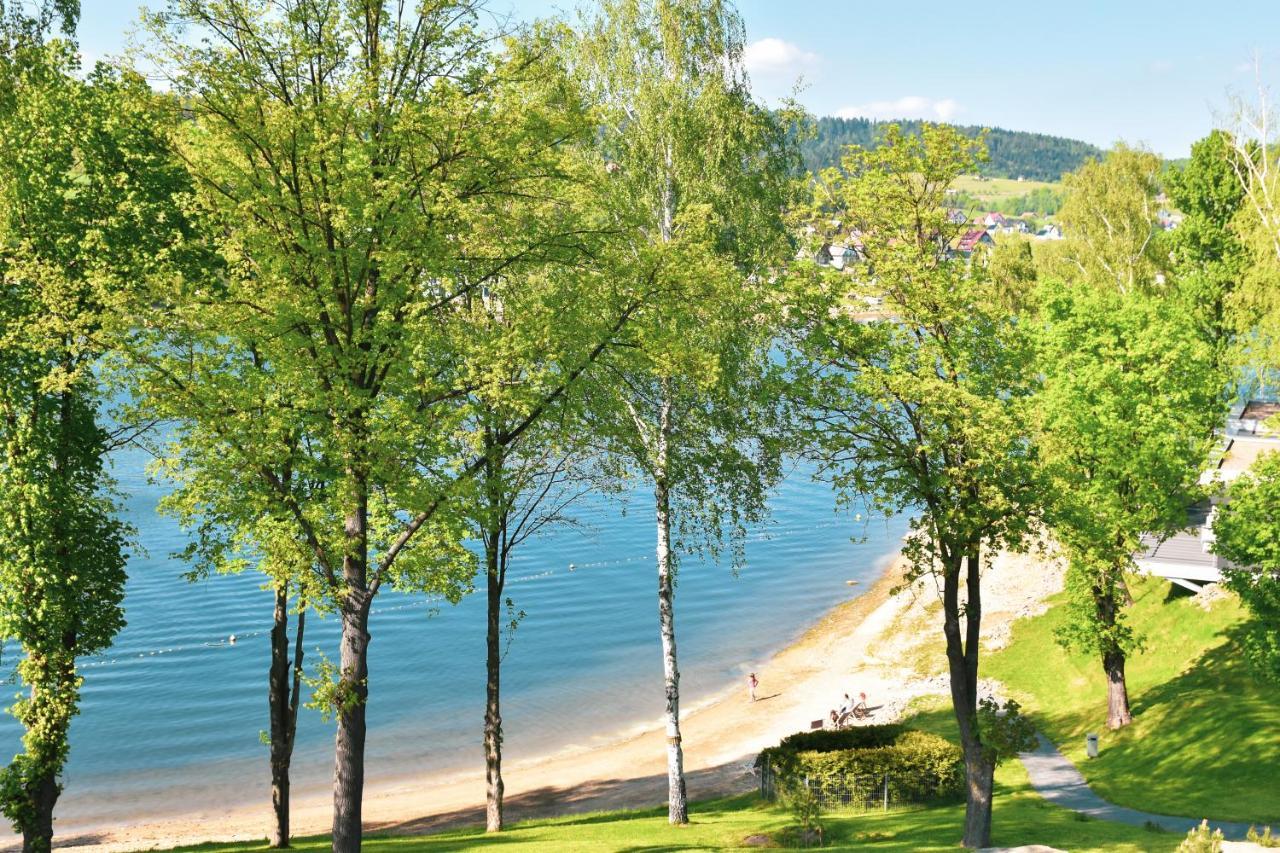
971 238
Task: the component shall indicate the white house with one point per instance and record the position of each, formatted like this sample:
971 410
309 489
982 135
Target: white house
1185 558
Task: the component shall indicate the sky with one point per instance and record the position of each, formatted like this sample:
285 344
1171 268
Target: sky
1138 71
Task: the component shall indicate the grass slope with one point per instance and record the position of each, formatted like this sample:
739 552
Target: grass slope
1203 742
1022 817
996 190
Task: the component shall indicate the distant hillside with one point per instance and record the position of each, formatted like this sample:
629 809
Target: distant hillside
1013 153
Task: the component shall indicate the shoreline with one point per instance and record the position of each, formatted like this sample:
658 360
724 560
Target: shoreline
723 732
871 642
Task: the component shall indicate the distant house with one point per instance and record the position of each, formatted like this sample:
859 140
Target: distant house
993 220
973 239
956 216
1186 558
1015 226
836 255
1049 232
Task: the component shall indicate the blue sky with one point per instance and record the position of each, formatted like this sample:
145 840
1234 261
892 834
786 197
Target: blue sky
1099 70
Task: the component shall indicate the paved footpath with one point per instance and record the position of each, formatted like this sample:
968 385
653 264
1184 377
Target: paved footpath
1058 781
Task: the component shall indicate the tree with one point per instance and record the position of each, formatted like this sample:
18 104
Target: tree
354 165
1207 253
1131 397
1109 218
237 525
84 214
924 411
699 179
521 491
1244 533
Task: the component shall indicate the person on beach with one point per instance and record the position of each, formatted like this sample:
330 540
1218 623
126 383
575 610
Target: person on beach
752 683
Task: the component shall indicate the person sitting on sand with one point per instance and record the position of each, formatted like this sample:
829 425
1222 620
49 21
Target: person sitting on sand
835 720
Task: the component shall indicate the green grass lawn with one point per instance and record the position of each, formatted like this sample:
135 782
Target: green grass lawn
998 189
1204 738
1021 817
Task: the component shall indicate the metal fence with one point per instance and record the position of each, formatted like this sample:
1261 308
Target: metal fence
858 793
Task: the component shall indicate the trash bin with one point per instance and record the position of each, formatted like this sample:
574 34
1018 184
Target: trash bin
1091 745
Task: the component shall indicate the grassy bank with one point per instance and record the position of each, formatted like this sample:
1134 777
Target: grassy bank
1203 742
1021 817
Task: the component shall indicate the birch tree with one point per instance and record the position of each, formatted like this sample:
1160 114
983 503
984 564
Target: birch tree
698 184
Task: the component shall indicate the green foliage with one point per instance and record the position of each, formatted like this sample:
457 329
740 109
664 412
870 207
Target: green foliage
702 176
921 766
805 806
833 740
1006 731
1207 253
1262 839
1043 201
1202 840
1130 400
84 214
1013 153
1109 217
1245 533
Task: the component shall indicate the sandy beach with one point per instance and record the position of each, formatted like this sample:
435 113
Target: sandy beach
888 646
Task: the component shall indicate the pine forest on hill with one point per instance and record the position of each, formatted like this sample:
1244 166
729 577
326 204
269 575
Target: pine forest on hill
1011 153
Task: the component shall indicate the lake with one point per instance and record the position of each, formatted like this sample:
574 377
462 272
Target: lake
172 714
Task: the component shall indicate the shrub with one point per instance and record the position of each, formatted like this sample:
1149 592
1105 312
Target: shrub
834 740
806 807
1264 838
1201 840
921 767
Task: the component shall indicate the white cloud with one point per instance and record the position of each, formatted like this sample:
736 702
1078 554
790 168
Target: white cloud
775 56
911 106
1160 66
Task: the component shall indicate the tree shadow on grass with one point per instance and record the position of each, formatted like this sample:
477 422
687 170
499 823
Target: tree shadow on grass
1194 745
584 803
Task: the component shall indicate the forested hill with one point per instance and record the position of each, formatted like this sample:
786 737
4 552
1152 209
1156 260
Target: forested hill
1013 153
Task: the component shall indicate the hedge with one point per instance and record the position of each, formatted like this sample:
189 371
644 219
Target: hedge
921 767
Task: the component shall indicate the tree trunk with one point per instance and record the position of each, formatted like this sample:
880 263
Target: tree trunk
1107 599
962 664
1118 715
492 709
979 773
37 831
353 692
677 801
282 700
348 776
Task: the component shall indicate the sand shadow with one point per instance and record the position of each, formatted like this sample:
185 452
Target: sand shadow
770 696
643 794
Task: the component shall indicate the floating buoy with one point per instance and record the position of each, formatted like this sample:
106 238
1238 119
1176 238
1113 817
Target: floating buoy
232 639
572 567
851 583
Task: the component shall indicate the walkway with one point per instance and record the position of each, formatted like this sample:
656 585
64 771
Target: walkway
1058 781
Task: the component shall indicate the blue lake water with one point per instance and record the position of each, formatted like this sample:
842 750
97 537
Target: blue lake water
171 715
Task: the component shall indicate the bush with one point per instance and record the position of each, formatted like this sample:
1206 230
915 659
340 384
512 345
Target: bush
1264 838
921 767
1201 840
834 740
